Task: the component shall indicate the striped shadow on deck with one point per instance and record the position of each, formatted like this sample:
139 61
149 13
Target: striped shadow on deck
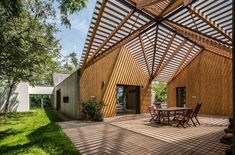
138 136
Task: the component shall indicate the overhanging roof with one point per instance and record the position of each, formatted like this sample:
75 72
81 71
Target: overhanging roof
162 35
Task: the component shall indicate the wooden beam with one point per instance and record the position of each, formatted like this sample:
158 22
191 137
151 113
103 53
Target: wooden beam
167 7
112 33
165 53
145 56
144 3
154 50
152 23
200 40
175 5
93 34
199 33
131 36
211 25
169 59
182 61
194 57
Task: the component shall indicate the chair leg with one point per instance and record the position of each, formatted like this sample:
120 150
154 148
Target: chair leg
180 123
197 120
188 124
193 122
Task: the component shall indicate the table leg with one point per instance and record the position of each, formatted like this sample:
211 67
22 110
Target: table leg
168 117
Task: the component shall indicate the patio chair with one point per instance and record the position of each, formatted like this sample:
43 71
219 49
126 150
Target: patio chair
153 114
195 113
182 120
162 115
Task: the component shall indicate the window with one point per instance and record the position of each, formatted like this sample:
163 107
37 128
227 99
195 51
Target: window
66 99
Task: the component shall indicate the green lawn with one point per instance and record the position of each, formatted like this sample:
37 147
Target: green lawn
34 132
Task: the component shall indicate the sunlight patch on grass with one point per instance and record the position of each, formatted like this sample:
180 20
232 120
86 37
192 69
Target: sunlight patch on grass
34 132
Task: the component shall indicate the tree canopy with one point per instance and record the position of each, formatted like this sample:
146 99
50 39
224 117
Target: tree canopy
160 91
28 46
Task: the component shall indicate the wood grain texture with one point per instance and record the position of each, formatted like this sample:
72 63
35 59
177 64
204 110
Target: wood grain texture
119 67
209 78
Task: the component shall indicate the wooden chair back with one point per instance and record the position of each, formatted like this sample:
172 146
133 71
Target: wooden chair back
151 110
196 109
188 113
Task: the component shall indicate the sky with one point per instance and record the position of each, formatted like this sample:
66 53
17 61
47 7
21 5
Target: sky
73 39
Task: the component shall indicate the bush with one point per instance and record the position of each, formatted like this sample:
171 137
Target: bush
91 108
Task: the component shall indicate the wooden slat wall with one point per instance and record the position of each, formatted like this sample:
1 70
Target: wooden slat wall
92 77
209 78
119 67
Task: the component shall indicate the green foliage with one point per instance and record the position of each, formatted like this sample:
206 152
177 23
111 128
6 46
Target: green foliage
160 91
35 101
67 7
91 108
28 47
34 132
69 64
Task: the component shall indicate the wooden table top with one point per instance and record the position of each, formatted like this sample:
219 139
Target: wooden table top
173 109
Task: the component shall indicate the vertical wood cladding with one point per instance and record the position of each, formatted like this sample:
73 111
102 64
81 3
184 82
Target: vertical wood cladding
119 67
209 78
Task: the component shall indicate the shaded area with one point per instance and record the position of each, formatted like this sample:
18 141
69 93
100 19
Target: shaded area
34 133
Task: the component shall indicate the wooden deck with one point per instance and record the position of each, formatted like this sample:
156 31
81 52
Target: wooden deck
136 135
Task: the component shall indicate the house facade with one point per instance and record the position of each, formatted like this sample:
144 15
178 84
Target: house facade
130 43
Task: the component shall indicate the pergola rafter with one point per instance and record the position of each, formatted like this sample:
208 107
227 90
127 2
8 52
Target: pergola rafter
169 59
112 34
94 32
199 33
154 50
211 25
202 41
144 54
184 28
182 62
183 67
165 53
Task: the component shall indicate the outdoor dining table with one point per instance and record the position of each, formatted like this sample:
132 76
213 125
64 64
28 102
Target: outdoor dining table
169 110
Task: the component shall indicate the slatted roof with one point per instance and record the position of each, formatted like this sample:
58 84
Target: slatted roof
162 35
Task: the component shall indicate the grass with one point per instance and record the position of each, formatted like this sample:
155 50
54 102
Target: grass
34 132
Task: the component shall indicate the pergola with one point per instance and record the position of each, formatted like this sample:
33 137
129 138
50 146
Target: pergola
163 36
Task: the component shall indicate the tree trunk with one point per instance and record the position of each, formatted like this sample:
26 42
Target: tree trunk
8 99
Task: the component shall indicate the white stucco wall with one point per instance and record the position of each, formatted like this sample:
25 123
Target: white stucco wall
68 88
20 101
22 98
41 90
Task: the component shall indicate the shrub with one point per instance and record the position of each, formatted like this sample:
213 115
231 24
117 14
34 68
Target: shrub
91 108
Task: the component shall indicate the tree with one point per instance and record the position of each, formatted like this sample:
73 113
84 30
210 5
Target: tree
28 45
160 91
70 63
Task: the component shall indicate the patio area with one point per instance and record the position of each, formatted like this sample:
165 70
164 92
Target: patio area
134 134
